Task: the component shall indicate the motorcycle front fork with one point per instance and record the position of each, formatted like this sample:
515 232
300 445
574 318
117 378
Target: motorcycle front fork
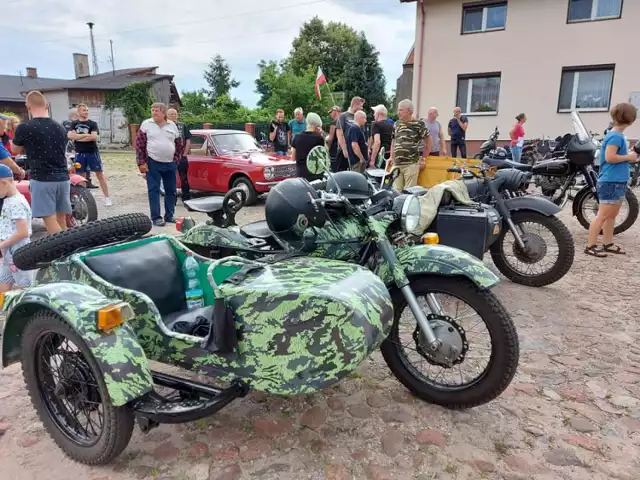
401 280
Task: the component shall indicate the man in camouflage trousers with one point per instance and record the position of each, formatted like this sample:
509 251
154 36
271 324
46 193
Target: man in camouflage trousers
408 134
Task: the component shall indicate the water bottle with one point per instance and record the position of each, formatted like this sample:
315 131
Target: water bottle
193 292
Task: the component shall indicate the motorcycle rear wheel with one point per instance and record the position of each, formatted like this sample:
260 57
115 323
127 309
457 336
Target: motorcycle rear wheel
626 224
505 350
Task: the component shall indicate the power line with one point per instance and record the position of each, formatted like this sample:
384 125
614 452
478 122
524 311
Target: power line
192 22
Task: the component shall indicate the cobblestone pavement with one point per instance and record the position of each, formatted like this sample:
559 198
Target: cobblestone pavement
572 412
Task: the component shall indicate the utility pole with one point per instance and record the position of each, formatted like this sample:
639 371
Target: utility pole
93 49
113 62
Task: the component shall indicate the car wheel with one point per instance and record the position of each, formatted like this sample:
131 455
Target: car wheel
247 187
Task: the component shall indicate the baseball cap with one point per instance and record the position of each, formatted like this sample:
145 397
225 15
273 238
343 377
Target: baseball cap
335 108
5 172
379 108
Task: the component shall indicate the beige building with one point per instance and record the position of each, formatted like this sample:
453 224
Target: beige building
496 59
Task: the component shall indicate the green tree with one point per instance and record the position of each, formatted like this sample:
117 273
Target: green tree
326 46
196 102
363 75
280 87
218 77
134 99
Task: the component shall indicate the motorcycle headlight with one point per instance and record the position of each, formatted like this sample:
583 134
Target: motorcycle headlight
269 173
410 215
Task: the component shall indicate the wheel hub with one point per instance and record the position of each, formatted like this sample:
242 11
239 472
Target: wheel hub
534 251
452 336
74 383
79 209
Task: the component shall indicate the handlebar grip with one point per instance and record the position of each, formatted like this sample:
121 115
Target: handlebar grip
454 170
319 185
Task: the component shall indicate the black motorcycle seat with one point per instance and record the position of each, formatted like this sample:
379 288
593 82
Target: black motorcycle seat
205 204
417 190
258 229
137 268
499 163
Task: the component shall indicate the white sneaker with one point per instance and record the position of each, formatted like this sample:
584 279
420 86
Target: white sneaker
108 202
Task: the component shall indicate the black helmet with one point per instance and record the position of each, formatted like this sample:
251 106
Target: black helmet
353 185
289 211
511 179
500 154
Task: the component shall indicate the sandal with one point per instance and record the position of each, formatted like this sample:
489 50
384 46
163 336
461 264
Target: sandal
595 251
613 248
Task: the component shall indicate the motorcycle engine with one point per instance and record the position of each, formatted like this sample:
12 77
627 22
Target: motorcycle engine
548 184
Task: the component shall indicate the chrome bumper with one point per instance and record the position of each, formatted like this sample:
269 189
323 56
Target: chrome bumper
266 184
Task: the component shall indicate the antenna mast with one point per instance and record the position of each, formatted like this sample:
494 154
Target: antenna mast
94 58
113 62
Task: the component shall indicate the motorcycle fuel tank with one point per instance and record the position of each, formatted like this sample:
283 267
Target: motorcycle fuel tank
552 168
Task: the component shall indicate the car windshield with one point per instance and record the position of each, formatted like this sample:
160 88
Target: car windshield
236 143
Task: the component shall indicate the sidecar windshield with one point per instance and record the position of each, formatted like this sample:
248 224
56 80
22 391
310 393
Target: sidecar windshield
579 128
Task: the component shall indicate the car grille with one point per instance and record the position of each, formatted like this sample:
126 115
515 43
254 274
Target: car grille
284 171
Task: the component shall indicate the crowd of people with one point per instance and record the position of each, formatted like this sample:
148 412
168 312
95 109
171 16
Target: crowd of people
404 141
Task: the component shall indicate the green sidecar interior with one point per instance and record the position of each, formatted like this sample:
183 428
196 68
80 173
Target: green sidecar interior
299 324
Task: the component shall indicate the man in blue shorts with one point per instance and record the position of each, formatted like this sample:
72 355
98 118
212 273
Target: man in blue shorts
84 133
44 141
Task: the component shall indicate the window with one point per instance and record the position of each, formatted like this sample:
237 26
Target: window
586 88
588 10
479 94
484 17
198 145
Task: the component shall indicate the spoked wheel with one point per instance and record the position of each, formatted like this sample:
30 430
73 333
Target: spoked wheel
588 209
83 207
547 256
68 392
480 349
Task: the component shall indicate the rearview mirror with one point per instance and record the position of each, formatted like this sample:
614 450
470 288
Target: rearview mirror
318 160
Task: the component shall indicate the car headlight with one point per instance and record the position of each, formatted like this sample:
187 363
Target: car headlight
410 215
269 173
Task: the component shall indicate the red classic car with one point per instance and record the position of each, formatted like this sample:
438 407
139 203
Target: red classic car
224 159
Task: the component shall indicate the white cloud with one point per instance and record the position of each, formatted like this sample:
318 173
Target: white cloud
242 31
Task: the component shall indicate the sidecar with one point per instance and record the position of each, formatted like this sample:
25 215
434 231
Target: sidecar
87 329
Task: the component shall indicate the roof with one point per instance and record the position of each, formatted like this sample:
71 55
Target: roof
409 59
11 86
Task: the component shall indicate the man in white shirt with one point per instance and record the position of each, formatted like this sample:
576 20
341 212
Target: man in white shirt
159 148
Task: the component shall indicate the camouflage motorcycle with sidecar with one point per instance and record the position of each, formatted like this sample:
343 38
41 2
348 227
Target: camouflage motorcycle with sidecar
108 298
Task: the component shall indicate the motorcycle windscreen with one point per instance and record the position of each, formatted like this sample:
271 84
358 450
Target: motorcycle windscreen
305 324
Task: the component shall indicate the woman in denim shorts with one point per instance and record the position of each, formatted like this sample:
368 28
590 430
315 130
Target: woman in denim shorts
612 184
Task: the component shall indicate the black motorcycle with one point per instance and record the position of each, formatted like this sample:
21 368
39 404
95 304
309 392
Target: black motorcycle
557 177
490 148
524 250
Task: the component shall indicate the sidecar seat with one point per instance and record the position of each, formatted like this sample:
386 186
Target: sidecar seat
151 268
205 204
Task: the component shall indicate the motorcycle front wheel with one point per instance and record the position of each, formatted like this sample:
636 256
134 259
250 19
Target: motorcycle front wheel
466 312
588 209
83 207
541 233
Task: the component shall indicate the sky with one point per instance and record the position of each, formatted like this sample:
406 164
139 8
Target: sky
180 36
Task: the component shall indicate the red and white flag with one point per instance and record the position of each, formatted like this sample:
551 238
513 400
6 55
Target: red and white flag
320 79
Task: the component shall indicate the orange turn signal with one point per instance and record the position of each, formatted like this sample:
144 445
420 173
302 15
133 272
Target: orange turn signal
1 299
114 315
431 239
77 166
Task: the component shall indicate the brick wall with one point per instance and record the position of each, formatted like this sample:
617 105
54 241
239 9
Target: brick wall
92 98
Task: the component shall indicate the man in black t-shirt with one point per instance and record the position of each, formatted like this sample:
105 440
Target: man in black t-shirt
381 133
357 144
45 141
345 120
332 139
183 165
279 134
84 133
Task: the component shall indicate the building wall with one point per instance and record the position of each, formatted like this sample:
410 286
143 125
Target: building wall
405 83
530 54
161 91
17 108
91 98
59 104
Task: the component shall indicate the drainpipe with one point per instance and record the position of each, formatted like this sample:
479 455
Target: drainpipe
421 44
